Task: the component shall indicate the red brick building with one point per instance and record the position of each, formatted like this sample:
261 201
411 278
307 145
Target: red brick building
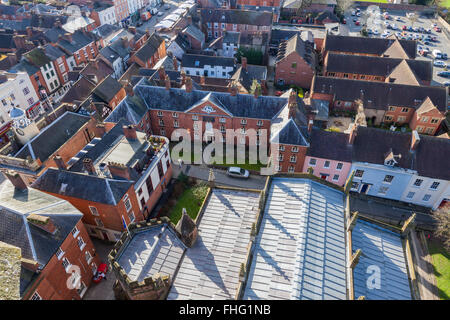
82 45
150 52
131 167
296 62
58 257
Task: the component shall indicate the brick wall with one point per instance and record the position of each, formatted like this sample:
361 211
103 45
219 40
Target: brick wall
300 75
51 283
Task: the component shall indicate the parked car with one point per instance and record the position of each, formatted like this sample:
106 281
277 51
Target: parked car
101 272
444 74
398 19
167 6
437 54
439 63
404 28
447 83
238 172
437 29
344 21
357 23
160 14
375 32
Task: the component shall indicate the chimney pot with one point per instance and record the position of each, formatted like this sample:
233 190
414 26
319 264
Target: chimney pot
352 135
119 170
167 82
310 124
244 63
202 80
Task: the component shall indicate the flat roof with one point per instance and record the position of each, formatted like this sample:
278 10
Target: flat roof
125 150
151 251
210 269
382 250
300 248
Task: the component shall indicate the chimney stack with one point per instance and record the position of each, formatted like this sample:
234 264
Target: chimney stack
183 77
60 163
42 222
100 129
188 84
162 73
415 139
167 82
130 132
118 170
352 134
264 87
202 80
125 42
16 179
12 58
129 89
292 97
292 111
244 63
175 63
89 165
233 89
132 30
29 31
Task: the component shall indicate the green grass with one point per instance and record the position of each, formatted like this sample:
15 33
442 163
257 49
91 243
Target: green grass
445 3
441 264
246 165
379 1
191 199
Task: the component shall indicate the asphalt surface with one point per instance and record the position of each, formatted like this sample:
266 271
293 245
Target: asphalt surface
150 24
442 44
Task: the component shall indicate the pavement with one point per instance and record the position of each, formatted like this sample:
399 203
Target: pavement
104 289
150 24
426 279
221 178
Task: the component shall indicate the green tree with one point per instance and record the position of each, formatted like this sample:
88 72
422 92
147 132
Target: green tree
253 56
255 87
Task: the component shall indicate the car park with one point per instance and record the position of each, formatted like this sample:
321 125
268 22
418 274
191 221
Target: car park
353 13
357 23
375 32
167 6
238 172
447 83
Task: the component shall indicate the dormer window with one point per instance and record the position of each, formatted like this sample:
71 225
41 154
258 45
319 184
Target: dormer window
243 121
175 115
159 113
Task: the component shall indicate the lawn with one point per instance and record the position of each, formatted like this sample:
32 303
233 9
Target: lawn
246 165
441 263
191 199
378 1
445 3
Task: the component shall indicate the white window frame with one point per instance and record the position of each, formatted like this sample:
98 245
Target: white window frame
94 209
83 243
59 253
312 164
36 296
76 231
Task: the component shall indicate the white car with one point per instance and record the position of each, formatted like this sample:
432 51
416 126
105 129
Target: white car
398 19
238 172
439 63
353 13
375 32
394 26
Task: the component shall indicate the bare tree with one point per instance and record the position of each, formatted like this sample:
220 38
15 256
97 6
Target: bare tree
442 231
344 5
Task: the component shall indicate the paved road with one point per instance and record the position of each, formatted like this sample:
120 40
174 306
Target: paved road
221 178
150 24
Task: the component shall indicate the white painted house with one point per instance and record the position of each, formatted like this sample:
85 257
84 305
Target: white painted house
208 66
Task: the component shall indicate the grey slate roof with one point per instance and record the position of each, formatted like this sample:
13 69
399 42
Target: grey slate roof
246 76
154 250
107 89
263 107
79 40
231 37
200 60
366 45
82 186
300 250
132 108
380 95
106 29
25 67
330 145
36 244
292 134
210 268
381 249
296 45
430 158
378 66
53 136
195 32
249 17
149 48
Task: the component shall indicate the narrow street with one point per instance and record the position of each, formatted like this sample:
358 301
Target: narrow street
424 270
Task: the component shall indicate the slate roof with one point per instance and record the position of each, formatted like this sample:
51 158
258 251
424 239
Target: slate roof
101 72
263 107
79 40
366 45
300 250
106 30
79 91
35 243
82 186
380 95
430 158
107 89
53 34
231 37
46 21
132 108
76 23
292 134
252 72
383 249
296 45
149 48
377 66
15 25
200 60
210 268
24 66
258 18
6 41
53 136
52 52
329 145
195 32
154 250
